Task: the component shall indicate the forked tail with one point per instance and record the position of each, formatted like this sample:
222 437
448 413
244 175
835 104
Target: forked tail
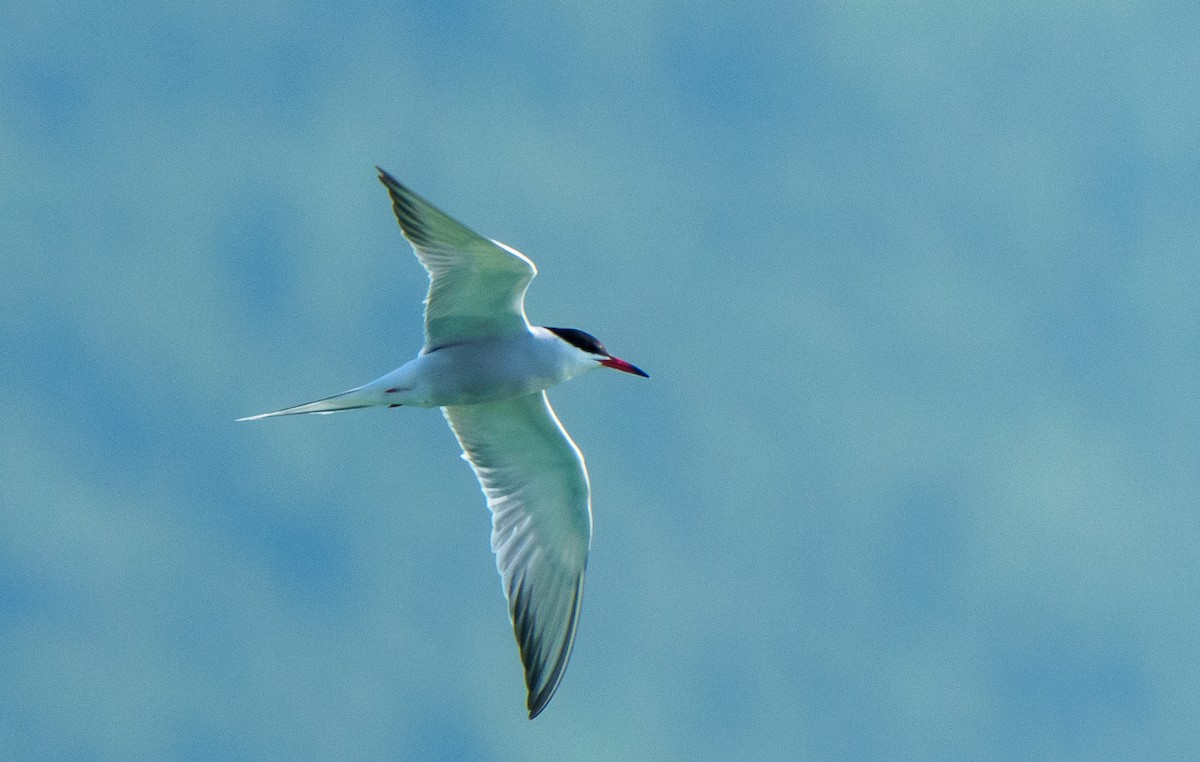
351 400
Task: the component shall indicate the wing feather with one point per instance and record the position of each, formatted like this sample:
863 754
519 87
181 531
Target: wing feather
536 485
476 285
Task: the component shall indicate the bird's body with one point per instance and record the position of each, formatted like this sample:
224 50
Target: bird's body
487 368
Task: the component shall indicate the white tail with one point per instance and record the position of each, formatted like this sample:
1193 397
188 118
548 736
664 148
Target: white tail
351 400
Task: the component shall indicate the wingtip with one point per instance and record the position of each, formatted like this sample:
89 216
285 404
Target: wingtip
536 702
541 685
386 178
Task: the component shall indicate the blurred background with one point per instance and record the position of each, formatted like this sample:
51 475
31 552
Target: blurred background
915 477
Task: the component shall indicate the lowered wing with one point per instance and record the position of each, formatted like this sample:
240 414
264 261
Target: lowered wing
537 489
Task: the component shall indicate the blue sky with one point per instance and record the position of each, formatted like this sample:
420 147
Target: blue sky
915 476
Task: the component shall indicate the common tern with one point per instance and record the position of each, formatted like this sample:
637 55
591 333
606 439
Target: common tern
488 370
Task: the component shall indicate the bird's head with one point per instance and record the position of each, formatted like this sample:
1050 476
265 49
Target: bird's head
590 345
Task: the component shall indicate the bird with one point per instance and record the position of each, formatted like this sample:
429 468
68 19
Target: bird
488 370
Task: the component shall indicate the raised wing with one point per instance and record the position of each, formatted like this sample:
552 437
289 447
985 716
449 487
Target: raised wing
476 286
537 490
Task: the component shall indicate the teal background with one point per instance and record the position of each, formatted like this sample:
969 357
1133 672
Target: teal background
915 477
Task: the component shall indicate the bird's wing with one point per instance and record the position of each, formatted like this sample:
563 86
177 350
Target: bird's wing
537 490
476 286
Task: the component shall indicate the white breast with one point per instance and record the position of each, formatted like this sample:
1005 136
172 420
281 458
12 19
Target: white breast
485 371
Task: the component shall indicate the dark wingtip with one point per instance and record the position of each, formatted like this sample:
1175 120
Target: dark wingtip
535 703
406 206
534 711
540 690
385 177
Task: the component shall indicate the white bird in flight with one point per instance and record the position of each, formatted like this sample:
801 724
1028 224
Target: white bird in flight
488 370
